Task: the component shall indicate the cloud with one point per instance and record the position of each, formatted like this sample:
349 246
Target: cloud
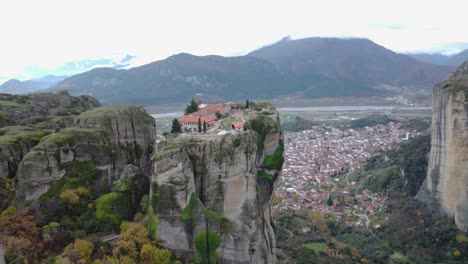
450 48
387 26
73 67
127 59
49 33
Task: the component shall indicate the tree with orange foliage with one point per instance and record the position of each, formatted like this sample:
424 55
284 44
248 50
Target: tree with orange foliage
317 222
22 235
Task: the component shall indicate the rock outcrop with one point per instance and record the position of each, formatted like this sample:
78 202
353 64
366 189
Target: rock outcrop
102 142
35 108
25 119
223 183
446 186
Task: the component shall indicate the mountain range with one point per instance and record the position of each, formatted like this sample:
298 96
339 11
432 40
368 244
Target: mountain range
15 86
178 78
348 67
311 68
441 59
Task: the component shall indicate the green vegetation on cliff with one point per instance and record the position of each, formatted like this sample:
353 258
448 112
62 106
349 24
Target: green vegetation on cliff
25 136
275 161
206 243
112 207
265 175
54 122
78 173
6 120
59 174
187 213
167 150
153 224
6 193
39 108
10 104
69 136
108 117
458 84
262 124
163 200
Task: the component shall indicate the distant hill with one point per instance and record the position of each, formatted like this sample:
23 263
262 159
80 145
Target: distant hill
441 59
15 86
178 78
314 67
348 66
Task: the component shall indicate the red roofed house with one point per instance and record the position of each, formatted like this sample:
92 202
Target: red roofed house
209 114
190 122
212 111
237 125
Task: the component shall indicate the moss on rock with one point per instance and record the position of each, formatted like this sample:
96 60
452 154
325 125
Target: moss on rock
53 122
168 150
187 213
22 134
456 85
6 120
78 173
275 161
265 175
112 208
70 136
262 124
104 116
164 199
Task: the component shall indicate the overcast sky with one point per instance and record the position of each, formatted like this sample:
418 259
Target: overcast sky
65 37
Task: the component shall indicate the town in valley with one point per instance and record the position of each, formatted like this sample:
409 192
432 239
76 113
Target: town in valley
317 165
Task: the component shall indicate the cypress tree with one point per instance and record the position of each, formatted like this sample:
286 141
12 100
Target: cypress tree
204 127
199 125
330 200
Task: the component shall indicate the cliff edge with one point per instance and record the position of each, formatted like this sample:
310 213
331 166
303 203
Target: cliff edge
220 184
446 186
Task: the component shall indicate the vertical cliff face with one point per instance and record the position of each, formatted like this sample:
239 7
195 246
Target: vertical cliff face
221 182
446 185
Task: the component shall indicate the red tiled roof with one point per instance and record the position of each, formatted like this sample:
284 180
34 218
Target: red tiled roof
209 109
238 125
192 118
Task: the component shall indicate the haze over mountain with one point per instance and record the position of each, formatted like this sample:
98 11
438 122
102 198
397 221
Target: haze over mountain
349 66
312 67
15 86
441 59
